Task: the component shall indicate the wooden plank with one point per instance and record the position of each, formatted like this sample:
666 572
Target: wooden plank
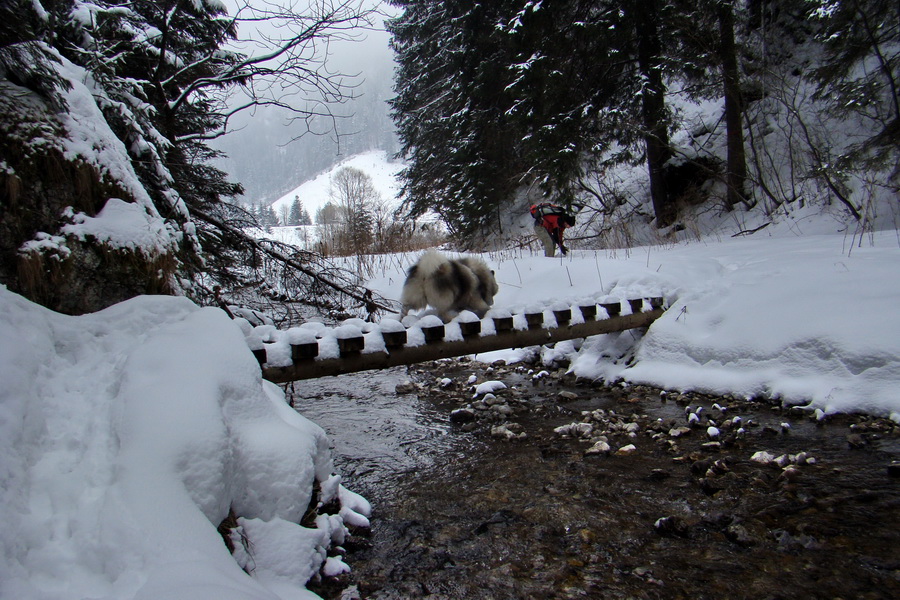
408 355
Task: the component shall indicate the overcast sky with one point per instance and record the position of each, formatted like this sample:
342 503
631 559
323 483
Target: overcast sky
262 151
371 48
368 55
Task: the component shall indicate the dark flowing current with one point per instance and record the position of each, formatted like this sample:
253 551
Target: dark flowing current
494 504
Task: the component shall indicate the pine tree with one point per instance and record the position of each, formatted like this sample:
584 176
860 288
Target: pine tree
525 95
645 18
736 174
450 111
561 72
296 214
329 214
268 217
710 36
861 72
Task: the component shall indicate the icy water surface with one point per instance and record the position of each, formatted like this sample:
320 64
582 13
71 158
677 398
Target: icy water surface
377 433
469 511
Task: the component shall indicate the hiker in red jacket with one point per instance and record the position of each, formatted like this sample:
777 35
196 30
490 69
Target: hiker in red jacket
550 221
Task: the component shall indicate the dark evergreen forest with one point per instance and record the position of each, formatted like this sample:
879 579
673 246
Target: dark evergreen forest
496 98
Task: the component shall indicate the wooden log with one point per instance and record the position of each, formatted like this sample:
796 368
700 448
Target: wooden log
305 351
534 320
351 345
503 324
589 312
470 328
394 339
433 334
637 304
486 343
563 316
613 309
260 354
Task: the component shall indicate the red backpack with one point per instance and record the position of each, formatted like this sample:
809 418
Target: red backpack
553 214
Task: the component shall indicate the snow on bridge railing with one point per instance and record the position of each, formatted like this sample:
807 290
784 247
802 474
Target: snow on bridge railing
315 350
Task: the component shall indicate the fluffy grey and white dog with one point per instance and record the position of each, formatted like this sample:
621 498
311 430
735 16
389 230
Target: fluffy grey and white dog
449 285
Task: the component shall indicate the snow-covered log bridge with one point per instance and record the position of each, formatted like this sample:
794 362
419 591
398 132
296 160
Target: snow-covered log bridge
404 346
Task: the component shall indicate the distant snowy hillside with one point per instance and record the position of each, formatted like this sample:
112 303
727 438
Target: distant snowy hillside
376 164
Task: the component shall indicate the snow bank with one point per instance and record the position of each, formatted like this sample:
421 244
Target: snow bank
121 224
90 138
807 319
797 319
125 438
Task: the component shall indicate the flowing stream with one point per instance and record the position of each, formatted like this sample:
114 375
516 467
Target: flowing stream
467 511
377 434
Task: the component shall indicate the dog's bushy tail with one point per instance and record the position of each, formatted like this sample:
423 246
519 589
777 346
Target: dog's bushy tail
432 263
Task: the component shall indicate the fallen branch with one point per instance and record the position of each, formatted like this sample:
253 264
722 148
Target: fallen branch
751 231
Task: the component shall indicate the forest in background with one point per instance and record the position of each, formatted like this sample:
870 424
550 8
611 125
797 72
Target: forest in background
542 98
266 156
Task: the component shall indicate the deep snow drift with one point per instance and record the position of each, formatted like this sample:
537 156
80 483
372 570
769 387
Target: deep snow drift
125 438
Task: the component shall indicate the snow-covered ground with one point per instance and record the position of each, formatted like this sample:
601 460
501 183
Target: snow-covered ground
126 436
809 319
315 193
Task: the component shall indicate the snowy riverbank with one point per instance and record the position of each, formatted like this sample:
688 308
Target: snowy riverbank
807 319
128 435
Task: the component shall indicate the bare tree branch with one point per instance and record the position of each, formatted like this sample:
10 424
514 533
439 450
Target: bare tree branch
338 282
283 56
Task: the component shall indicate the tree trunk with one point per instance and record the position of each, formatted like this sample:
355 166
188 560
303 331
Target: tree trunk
653 108
736 174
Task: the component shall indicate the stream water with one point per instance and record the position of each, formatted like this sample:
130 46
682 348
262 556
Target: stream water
471 510
377 433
